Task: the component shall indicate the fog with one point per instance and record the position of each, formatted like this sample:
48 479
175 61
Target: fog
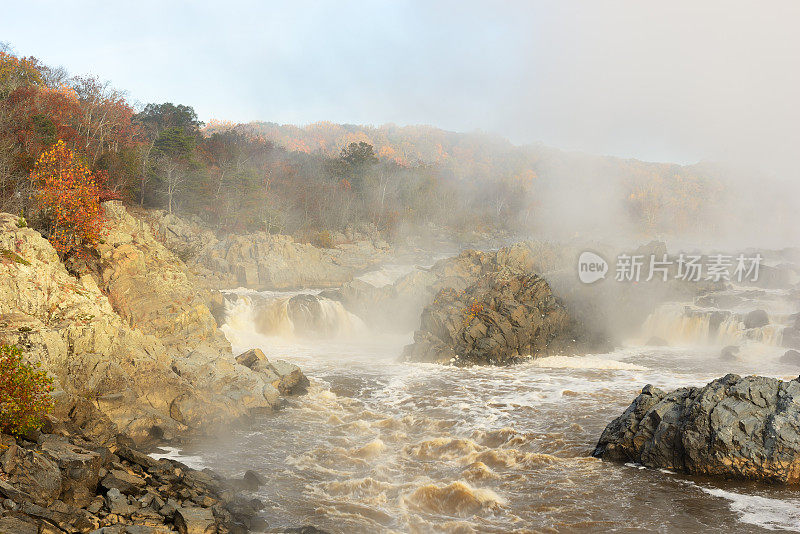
680 82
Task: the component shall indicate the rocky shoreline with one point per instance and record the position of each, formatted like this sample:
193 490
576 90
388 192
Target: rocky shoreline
61 480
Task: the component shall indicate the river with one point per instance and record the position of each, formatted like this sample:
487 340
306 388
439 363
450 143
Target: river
383 446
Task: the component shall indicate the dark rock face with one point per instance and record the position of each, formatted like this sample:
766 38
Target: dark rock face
756 319
500 319
729 353
746 428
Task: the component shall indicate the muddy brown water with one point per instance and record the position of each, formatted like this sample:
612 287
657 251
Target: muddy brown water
383 446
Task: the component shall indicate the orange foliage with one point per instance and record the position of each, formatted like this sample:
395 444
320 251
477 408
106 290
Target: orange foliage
69 197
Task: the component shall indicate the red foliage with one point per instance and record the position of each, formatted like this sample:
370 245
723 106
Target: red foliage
69 197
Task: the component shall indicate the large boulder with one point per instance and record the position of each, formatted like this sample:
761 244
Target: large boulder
500 319
397 307
747 428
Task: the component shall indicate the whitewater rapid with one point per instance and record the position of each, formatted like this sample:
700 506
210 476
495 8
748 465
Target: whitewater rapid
383 446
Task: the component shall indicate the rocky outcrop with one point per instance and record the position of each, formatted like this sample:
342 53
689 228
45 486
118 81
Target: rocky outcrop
148 389
150 287
397 306
736 427
500 319
267 261
61 480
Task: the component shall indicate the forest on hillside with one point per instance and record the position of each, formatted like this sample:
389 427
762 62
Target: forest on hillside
310 181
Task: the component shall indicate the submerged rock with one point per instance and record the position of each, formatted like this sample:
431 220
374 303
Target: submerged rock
791 356
747 428
729 353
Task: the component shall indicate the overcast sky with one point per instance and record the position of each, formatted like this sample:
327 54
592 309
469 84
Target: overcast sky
669 81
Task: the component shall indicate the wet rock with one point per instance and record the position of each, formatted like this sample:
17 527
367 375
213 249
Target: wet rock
251 481
162 495
729 353
656 341
292 383
756 319
747 428
791 357
500 319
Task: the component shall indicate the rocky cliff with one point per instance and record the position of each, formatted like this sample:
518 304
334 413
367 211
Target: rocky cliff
146 352
267 261
736 427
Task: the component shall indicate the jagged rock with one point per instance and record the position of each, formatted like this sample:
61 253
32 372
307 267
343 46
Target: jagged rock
756 319
396 307
31 473
165 495
146 390
250 358
266 261
126 483
13 525
195 521
118 503
80 470
500 319
746 428
292 380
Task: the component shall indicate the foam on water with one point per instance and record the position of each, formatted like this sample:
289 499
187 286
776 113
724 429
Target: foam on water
383 446
584 362
772 514
173 453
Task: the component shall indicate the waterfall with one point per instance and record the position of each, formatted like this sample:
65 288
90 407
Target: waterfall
287 317
682 324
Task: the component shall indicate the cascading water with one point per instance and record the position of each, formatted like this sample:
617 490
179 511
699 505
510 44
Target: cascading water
288 317
383 446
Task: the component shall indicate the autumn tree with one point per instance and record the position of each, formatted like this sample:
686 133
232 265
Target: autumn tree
24 392
68 198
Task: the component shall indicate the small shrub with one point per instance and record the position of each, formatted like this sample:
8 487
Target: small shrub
322 239
24 392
